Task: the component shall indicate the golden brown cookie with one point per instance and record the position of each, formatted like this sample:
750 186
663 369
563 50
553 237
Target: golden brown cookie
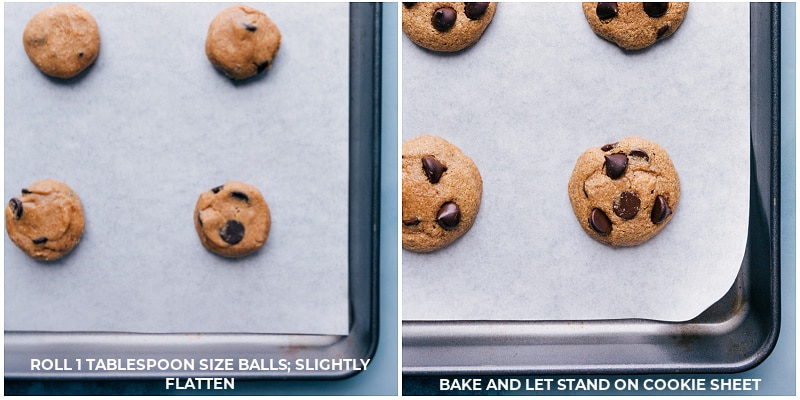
624 193
62 40
634 26
446 26
442 190
232 220
242 42
46 221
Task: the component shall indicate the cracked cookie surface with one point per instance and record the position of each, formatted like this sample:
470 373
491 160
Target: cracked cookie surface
62 40
46 220
442 190
624 193
634 26
242 42
446 26
232 220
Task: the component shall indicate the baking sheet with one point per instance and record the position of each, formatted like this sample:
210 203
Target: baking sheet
143 132
525 119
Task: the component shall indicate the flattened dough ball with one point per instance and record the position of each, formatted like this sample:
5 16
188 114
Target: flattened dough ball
46 221
232 220
242 42
62 40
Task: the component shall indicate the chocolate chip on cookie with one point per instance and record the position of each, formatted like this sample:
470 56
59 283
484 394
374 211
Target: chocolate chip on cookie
446 26
634 26
232 220
624 193
433 169
242 42
449 216
441 193
616 164
660 211
62 40
46 221
443 19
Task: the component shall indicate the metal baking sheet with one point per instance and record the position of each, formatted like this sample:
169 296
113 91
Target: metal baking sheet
733 334
148 128
360 50
542 264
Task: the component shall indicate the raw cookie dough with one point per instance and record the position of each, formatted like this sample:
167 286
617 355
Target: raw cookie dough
634 26
446 26
46 221
62 40
441 193
232 220
624 193
242 42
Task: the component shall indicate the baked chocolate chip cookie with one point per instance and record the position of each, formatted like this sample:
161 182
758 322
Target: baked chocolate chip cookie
634 26
46 220
242 42
62 40
624 193
232 220
446 26
441 193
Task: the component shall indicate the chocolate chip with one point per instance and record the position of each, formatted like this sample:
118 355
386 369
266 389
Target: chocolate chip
433 169
655 10
627 205
607 10
411 221
444 19
41 240
639 153
240 196
232 232
261 67
250 27
616 165
449 216
475 10
25 191
662 31
409 5
599 222
80 55
16 207
660 211
609 146
217 189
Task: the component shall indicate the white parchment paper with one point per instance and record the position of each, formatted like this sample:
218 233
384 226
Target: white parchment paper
148 128
536 91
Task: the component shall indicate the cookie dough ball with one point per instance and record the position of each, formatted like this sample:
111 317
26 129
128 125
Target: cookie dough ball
232 220
242 42
46 220
62 40
634 26
624 193
446 26
442 190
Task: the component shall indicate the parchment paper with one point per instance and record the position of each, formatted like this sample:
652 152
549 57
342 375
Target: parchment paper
148 128
537 90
